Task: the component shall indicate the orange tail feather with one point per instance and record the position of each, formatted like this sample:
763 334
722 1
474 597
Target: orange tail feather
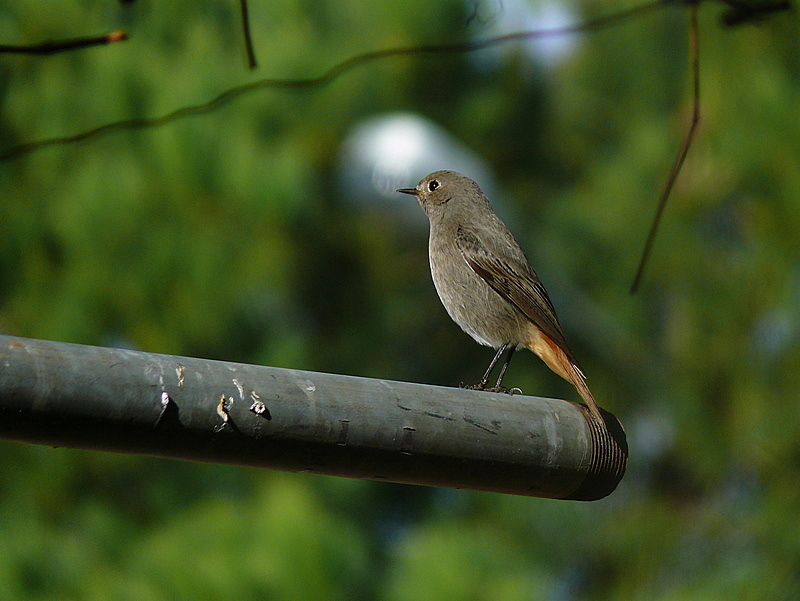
557 360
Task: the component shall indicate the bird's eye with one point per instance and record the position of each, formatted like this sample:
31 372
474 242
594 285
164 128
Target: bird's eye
433 185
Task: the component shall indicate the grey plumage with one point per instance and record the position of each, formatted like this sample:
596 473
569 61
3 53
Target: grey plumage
485 281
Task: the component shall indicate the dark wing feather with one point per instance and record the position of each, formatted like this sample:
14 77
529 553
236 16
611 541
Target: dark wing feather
520 286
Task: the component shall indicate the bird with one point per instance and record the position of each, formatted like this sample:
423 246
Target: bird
486 282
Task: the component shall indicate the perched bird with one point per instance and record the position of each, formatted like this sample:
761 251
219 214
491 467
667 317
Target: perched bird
487 284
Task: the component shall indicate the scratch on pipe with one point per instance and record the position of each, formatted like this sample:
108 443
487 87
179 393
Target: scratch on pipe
239 388
405 444
165 401
223 408
180 371
344 427
472 422
447 417
259 407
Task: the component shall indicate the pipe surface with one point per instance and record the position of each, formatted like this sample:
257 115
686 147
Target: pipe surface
127 401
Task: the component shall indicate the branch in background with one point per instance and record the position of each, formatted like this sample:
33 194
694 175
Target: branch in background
332 74
694 57
248 40
339 70
739 12
55 46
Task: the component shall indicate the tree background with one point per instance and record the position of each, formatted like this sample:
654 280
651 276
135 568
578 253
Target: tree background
231 236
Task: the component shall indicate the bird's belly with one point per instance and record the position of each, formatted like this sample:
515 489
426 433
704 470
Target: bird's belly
476 307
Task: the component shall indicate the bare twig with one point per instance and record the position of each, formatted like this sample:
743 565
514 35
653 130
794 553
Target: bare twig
332 74
742 12
55 46
694 57
248 40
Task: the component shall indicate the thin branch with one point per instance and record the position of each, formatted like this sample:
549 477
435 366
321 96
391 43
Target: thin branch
248 40
332 74
742 12
694 57
55 46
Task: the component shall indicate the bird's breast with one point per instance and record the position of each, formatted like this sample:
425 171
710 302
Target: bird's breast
469 300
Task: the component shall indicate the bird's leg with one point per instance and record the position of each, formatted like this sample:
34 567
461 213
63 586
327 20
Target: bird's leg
505 367
499 387
482 384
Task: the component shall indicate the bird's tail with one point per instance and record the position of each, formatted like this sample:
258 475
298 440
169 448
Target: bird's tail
578 380
557 360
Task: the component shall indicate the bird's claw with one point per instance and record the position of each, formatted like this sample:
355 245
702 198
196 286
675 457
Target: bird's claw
483 387
504 390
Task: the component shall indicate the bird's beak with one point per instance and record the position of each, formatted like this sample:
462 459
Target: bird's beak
408 191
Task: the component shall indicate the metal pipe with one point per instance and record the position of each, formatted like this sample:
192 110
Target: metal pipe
127 401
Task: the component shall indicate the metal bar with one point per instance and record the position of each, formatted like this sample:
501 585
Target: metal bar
134 402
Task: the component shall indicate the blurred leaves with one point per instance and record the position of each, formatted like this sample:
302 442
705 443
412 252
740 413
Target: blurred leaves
228 236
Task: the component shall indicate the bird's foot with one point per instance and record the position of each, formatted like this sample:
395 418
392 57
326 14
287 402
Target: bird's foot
482 386
504 390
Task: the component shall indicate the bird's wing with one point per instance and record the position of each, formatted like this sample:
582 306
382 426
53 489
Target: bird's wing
518 284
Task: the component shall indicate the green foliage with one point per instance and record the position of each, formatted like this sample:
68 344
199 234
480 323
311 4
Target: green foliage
226 236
